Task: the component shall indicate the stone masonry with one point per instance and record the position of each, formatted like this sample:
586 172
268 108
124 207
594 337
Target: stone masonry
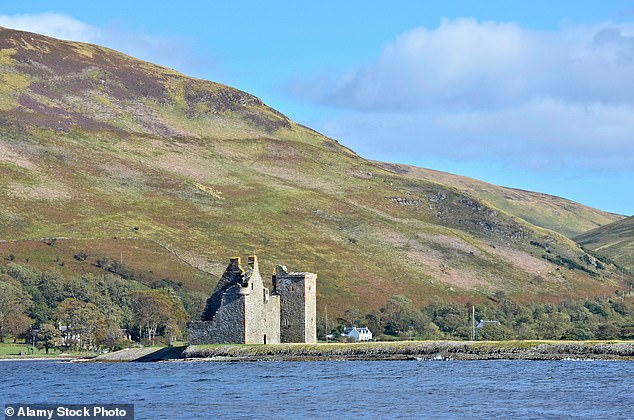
242 310
298 311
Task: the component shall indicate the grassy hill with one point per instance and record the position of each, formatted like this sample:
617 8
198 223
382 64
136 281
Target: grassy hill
615 240
128 159
547 211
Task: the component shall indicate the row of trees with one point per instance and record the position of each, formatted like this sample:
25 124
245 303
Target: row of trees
109 310
87 312
597 318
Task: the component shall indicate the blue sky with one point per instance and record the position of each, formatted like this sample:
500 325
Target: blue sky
533 95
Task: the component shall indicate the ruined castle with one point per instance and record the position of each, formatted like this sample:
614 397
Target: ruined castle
242 310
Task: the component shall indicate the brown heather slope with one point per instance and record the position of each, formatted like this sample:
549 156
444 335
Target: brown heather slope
120 155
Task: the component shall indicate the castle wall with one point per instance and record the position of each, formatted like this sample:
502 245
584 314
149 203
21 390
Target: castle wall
226 327
254 311
242 310
273 320
298 312
234 275
310 314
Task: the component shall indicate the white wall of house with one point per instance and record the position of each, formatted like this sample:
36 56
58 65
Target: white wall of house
359 334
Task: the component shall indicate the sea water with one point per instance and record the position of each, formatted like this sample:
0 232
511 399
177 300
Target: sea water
332 389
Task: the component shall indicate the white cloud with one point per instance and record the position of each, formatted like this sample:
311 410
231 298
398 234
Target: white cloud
171 53
539 135
467 64
474 90
51 24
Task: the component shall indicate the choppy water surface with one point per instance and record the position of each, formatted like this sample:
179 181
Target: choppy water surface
403 389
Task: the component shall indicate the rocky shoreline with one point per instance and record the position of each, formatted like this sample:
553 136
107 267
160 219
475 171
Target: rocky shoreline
446 350
404 350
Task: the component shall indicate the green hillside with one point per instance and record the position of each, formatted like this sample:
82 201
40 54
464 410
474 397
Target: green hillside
547 211
115 155
615 240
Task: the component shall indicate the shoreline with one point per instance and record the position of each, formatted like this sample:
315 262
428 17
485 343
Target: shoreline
371 351
52 358
366 351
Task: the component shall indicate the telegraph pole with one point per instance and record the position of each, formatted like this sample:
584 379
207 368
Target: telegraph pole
326 310
473 323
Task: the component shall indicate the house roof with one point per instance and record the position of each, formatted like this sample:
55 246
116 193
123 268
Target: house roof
362 330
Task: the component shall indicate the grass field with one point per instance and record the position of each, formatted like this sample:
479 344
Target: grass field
9 350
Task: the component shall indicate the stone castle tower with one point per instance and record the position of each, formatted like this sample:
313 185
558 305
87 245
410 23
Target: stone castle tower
298 311
242 310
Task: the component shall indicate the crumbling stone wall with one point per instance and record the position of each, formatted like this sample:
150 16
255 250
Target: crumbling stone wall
227 327
233 275
242 310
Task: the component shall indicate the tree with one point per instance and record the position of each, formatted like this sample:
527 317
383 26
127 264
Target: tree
322 328
49 336
40 312
18 324
51 285
397 312
85 323
114 338
172 331
451 318
154 310
608 331
374 322
352 317
81 288
8 302
13 301
598 307
25 276
553 325
492 332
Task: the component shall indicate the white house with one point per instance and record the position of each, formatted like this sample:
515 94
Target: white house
359 334
69 336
